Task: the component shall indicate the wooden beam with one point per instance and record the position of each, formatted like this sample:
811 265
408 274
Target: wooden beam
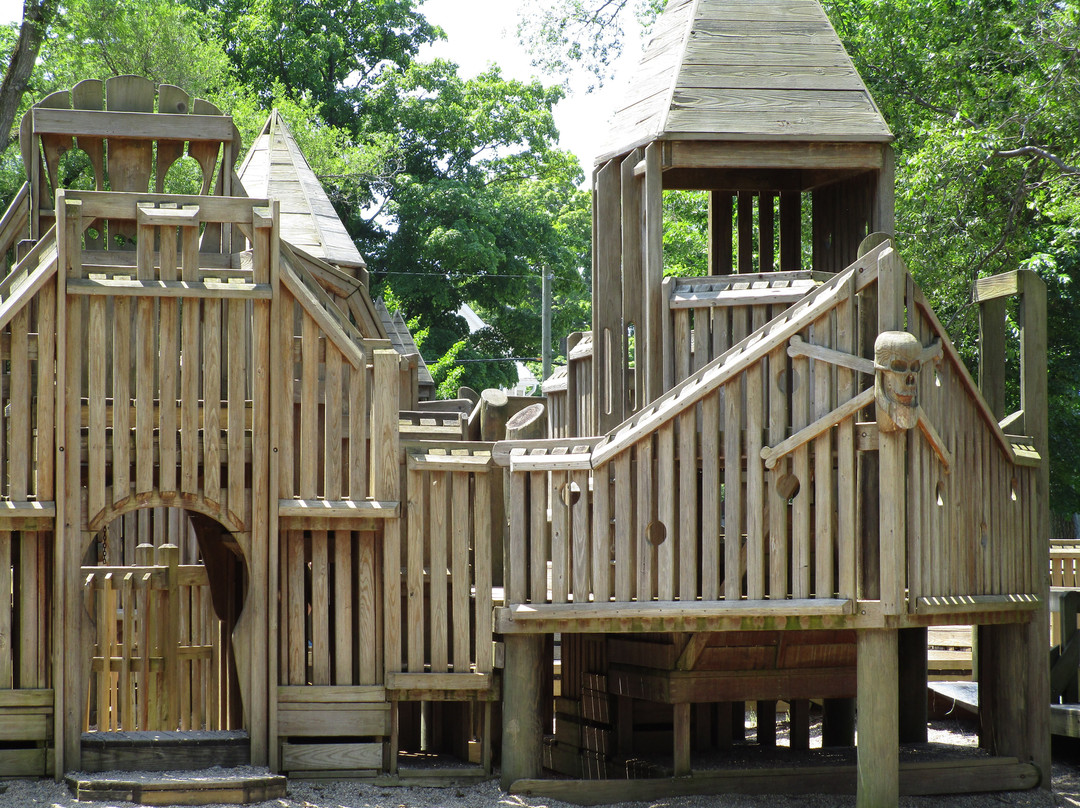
916 778
132 125
746 154
170 289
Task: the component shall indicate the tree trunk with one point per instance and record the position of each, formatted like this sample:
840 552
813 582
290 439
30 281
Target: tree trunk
37 16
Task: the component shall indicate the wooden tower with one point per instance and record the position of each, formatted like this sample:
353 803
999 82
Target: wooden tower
771 478
758 104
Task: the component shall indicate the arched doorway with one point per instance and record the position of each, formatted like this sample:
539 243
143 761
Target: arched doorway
163 591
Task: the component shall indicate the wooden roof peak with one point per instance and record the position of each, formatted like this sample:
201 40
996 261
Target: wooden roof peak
744 70
276 168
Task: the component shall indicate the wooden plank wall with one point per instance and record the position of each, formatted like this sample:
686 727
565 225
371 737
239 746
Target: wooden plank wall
331 608
168 396
328 402
685 509
339 422
27 485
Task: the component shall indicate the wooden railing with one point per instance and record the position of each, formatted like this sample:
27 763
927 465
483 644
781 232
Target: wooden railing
704 317
959 543
678 502
741 482
707 315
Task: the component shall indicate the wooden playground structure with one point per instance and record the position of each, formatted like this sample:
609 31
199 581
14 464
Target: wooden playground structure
225 509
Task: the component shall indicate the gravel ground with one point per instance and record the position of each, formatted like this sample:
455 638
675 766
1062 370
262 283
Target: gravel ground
353 794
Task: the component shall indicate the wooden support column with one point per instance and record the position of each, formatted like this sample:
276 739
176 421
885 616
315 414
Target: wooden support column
746 232
69 683
633 301
522 733
892 451
766 233
878 778
1033 400
912 656
609 365
720 205
651 348
799 724
884 215
790 231
681 735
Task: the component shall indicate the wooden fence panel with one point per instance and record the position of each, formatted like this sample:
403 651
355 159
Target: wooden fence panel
447 556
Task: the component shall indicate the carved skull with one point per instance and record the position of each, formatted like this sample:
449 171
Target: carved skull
897 360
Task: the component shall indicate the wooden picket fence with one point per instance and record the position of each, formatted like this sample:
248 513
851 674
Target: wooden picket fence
158 660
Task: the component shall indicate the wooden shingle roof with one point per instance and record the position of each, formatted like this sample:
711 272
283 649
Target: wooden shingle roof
748 70
275 168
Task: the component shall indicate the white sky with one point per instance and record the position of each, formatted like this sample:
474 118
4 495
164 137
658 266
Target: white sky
480 32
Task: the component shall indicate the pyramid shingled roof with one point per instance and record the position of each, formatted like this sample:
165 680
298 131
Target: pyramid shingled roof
744 70
275 168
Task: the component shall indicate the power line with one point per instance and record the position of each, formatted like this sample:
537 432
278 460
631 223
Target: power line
502 359
446 277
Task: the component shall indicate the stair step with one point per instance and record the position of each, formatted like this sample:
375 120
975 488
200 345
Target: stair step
195 787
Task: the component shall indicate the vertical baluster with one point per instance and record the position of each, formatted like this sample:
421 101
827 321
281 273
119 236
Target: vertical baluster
560 526
414 563
625 520
343 608
755 483
733 500
538 539
460 585
439 537
824 546
665 493
689 536
710 497
645 523
579 529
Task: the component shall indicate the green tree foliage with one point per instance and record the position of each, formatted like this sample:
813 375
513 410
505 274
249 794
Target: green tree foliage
686 233
483 202
982 97
158 39
566 35
333 50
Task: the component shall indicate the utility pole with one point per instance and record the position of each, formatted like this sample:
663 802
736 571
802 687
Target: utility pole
545 327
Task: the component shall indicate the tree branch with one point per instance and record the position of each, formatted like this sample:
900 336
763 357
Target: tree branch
1038 151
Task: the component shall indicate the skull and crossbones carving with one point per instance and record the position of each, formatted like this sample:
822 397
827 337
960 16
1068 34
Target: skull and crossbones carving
897 361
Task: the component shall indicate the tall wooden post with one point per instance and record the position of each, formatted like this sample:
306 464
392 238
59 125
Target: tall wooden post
877 649
1033 400
522 735
655 313
878 781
